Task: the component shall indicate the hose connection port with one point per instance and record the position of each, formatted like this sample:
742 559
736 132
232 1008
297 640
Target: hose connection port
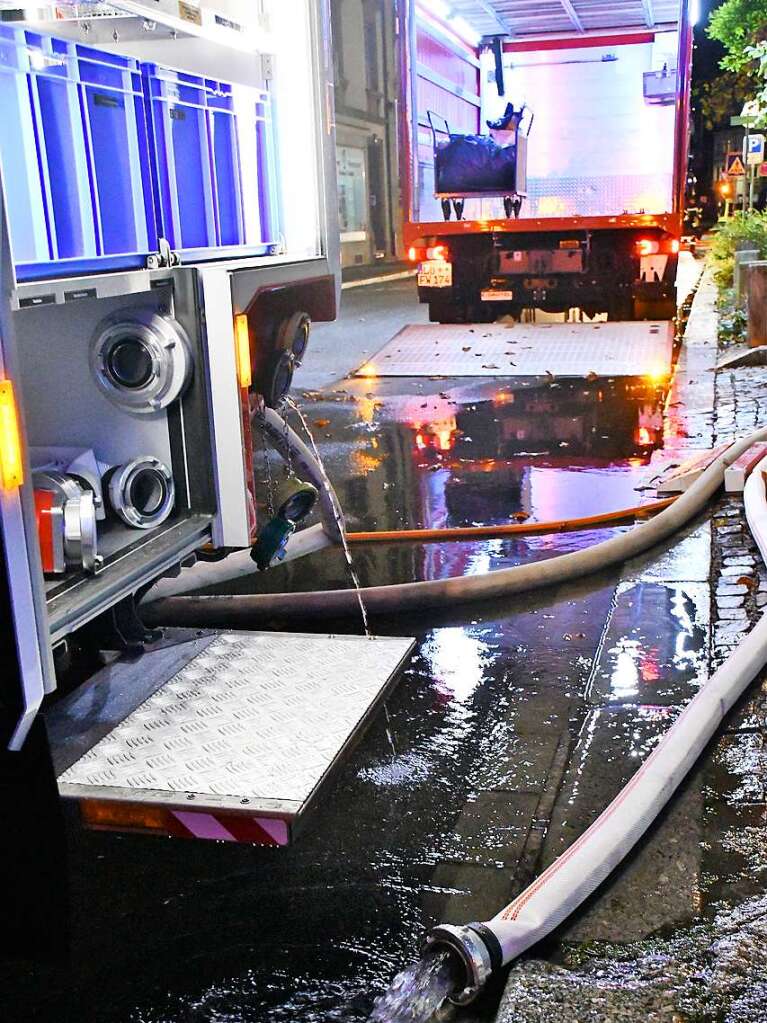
478 953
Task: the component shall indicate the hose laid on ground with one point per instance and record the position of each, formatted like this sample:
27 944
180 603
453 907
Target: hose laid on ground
459 533
314 538
248 610
580 870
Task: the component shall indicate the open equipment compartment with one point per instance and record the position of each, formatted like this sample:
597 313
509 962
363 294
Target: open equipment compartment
85 359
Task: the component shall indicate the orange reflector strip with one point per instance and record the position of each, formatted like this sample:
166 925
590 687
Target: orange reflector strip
11 461
132 816
242 347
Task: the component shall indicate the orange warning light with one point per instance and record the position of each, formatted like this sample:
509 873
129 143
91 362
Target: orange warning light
11 460
242 350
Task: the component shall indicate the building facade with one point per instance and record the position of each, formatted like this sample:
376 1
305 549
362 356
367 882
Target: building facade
367 98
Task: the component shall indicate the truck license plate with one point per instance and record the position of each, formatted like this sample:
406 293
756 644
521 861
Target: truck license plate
496 295
435 273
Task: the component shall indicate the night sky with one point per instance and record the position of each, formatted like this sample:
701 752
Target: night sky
708 52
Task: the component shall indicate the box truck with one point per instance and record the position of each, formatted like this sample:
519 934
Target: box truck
546 154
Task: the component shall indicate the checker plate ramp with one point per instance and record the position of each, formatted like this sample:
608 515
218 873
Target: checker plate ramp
625 349
245 722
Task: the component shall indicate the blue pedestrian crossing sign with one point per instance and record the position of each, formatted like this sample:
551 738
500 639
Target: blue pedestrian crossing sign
734 165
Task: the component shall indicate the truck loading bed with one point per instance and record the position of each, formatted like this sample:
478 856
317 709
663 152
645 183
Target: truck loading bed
227 736
527 350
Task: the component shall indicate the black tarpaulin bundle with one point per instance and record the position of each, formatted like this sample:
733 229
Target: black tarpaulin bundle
475 163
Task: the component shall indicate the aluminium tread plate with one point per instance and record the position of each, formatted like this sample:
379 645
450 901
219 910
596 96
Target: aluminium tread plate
252 720
619 349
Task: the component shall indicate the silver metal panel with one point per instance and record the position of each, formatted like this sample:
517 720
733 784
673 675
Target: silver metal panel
230 527
75 600
526 350
521 18
256 716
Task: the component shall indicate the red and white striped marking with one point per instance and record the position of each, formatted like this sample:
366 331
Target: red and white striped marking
229 828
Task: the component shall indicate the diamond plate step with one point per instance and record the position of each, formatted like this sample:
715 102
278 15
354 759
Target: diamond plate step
228 736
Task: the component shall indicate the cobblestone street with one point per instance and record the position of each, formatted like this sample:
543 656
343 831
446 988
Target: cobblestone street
701 874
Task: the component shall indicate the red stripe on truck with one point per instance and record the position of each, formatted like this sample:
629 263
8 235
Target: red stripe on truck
579 42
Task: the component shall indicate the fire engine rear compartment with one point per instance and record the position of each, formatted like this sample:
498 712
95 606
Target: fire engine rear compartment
148 281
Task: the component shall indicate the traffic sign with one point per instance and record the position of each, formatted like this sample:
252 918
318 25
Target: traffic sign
733 165
762 170
755 150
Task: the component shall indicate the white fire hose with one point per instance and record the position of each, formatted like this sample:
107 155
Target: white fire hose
161 606
579 871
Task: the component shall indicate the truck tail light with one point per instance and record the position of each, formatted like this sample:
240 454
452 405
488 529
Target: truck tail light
648 246
419 253
242 350
653 246
11 461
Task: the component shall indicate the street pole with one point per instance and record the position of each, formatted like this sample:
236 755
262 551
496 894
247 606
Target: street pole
746 192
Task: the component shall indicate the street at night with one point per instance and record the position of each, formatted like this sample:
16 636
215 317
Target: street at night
383 461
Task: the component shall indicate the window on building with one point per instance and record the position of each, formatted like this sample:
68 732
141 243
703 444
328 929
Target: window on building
352 193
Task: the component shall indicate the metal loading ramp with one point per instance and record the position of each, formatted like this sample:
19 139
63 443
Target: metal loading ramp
228 736
625 349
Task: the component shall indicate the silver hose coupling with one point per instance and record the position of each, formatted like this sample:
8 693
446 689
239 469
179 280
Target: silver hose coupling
478 953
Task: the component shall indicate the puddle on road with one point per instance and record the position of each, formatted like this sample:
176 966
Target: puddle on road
470 455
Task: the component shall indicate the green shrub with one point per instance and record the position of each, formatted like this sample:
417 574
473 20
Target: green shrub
733 324
742 228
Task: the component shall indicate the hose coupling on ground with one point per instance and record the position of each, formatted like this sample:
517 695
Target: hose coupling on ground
477 951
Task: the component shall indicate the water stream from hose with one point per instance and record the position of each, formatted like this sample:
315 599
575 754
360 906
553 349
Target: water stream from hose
418 992
345 546
336 513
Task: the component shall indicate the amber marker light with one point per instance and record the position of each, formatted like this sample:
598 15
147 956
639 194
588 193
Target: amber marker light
11 461
242 350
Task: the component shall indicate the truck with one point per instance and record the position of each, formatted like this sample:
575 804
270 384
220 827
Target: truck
168 233
591 220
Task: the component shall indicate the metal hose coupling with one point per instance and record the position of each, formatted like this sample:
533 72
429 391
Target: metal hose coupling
478 953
